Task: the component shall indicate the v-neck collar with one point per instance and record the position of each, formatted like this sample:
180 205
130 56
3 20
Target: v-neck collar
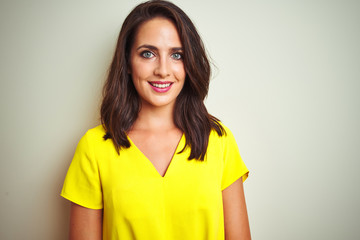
179 146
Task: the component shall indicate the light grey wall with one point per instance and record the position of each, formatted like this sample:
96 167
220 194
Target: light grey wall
287 83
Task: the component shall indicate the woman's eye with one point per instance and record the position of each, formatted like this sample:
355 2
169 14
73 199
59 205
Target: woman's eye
177 56
147 54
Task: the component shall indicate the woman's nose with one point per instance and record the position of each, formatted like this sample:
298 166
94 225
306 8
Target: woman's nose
163 67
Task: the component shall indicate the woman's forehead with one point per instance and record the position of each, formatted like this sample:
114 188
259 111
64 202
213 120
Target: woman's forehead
158 32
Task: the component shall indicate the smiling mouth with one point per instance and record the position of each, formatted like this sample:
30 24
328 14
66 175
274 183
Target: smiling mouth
160 85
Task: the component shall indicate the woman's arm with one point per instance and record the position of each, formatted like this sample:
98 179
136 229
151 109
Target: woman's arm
85 223
235 213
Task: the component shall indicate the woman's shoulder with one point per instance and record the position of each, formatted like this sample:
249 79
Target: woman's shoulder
93 141
94 135
98 130
225 138
224 130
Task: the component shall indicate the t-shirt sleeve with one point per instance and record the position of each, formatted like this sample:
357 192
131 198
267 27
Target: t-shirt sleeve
82 183
234 167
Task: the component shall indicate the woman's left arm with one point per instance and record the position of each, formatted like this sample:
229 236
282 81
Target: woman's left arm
235 214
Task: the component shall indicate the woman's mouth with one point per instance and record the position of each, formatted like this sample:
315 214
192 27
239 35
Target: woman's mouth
161 86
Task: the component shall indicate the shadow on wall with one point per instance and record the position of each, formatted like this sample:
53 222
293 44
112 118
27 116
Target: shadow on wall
62 211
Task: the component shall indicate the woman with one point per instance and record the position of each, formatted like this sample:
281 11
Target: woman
159 166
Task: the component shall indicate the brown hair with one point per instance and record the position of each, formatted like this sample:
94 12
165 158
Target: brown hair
121 103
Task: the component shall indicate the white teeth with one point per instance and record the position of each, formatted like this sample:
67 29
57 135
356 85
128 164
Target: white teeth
163 85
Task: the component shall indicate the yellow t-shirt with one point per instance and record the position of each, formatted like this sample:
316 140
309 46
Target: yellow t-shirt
138 203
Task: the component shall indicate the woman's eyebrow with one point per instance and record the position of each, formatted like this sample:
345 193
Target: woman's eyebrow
175 49
147 46
155 48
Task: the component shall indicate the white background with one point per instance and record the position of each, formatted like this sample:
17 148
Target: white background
286 82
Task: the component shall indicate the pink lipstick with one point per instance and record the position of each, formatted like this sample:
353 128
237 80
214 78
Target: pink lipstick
161 87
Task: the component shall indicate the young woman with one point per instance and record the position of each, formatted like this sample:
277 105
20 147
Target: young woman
159 166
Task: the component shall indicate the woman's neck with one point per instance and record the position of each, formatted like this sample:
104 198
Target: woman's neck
152 118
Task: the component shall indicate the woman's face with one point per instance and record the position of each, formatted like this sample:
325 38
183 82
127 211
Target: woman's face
156 63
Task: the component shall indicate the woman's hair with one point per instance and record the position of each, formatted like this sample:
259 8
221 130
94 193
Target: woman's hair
121 103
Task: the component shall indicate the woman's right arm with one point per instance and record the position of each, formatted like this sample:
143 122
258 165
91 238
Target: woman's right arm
85 223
